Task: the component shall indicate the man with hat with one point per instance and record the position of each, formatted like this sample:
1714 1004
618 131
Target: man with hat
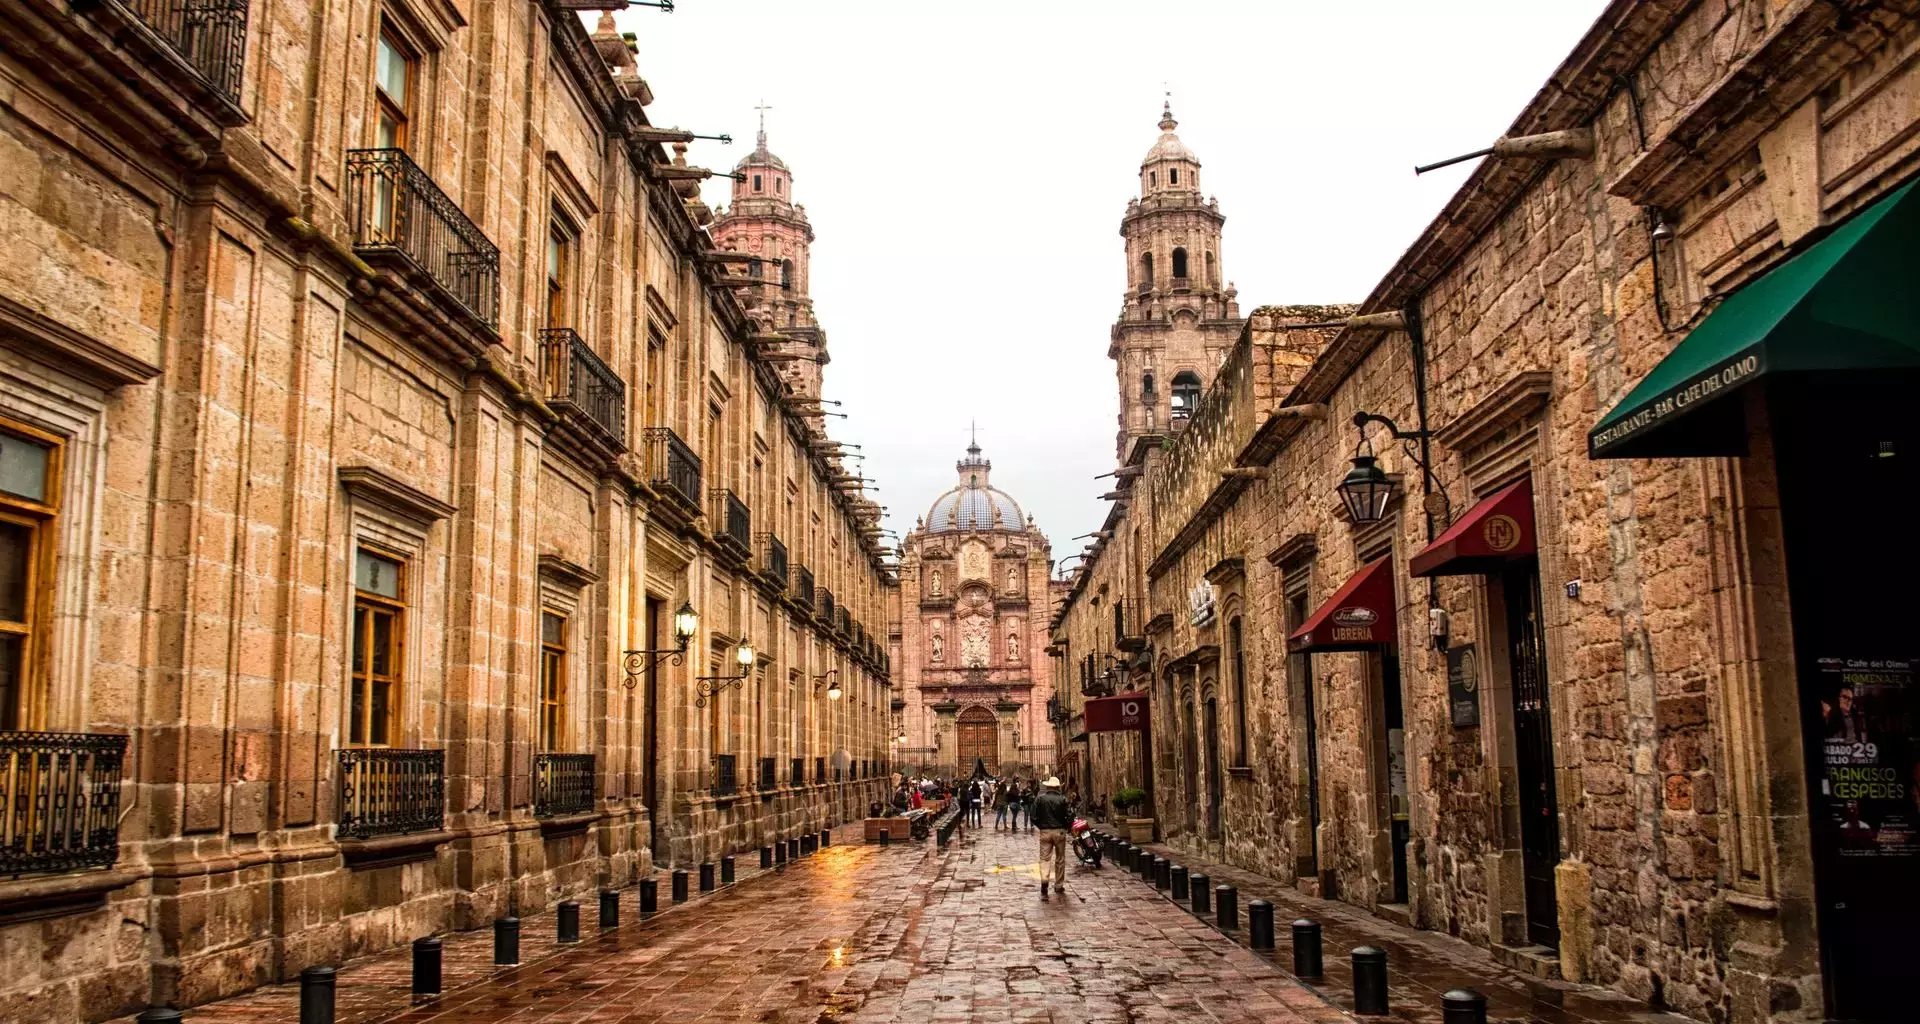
1052 815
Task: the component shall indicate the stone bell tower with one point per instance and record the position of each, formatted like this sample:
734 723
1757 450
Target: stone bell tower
763 219
1177 320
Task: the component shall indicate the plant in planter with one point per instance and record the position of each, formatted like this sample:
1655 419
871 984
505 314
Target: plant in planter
1131 800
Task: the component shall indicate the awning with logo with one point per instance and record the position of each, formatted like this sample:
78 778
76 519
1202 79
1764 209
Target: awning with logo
1126 712
1358 616
1846 303
1491 534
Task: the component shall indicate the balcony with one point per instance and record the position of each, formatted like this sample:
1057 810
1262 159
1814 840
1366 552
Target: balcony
389 792
825 607
587 394
733 525
1129 627
1183 284
726 781
672 468
562 784
396 213
769 774
803 588
845 627
59 801
773 560
210 36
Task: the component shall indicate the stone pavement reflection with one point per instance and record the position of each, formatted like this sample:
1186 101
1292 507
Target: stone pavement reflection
852 933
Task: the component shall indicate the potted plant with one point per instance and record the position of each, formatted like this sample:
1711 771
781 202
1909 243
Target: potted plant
1130 801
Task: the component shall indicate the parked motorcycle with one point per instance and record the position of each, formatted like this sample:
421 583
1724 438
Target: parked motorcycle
1086 846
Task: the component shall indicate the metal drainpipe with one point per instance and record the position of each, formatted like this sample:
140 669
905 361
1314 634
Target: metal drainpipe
1416 333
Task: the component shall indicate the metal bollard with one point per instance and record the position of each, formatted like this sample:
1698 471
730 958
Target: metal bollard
793 849
567 918
506 941
159 1015
1202 889
726 870
810 843
706 877
680 885
1178 874
1260 924
886 836
426 966
609 908
1144 867
1463 1006
316 995
826 838
780 852
649 895
1162 873
1226 907
766 857
1369 981
1306 949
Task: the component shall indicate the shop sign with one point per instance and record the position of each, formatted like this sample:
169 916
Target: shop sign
1353 624
1463 686
1125 713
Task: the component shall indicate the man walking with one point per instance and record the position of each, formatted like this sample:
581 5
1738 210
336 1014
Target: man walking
1052 816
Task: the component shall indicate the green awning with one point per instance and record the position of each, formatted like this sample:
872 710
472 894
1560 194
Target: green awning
1849 302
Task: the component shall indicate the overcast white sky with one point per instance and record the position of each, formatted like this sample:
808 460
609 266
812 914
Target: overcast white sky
965 170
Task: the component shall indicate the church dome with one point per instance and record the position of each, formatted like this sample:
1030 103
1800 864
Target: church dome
974 505
1169 146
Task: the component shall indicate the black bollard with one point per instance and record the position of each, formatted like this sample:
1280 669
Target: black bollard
1260 924
1463 1006
1178 874
780 852
159 1015
1202 889
706 877
649 895
680 885
506 941
826 838
316 995
1226 907
1144 867
886 836
1369 981
567 919
793 849
726 870
1162 873
609 908
1306 949
426 966
766 857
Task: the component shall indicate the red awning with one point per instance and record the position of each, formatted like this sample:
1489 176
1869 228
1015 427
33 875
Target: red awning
1359 615
1124 713
1492 533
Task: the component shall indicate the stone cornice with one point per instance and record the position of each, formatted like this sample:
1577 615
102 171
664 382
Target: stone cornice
393 494
81 355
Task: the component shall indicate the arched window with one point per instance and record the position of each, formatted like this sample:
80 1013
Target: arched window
1186 394
756 183
1237 653
1179 263
1146 385
1213 277
1173 176
786 274
1146 268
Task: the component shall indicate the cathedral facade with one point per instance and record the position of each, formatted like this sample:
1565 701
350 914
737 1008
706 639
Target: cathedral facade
975 596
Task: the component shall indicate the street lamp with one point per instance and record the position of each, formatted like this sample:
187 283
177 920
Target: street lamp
831 678
686 622
1366 490
710 685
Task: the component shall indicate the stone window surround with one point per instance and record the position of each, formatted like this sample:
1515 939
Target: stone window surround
387 514
562 584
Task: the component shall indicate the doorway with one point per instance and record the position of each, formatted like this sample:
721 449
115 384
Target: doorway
1190 765
1392 786
1215 785
1846 446
1533 750
650 725
979 736
1300 667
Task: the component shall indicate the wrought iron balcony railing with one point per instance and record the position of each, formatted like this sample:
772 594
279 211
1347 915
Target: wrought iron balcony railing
803 587
725 781
387 792
672 467
59 801
733 524
825 607
773 559
395 208
582 387
562 784
210 35
769 773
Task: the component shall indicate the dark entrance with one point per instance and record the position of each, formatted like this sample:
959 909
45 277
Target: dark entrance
1301 667
1846 447
1533 749
650 729
1214 786
1190 767
1387 670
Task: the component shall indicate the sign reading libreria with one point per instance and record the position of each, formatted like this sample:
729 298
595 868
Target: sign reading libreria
1721 377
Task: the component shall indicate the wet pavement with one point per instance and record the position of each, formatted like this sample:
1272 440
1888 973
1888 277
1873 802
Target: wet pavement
851 933
1421 965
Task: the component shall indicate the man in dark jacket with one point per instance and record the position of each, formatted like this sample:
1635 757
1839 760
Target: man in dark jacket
1053 816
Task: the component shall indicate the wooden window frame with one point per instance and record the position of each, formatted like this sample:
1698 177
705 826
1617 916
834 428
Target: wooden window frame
365 606
400 110
552 732
561 239
29 710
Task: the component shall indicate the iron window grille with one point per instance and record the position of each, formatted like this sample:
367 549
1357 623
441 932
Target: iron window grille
726 781
798 772
59 801
562 784
769 773
385 791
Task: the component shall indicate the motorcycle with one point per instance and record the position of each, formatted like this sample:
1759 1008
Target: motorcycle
1086 846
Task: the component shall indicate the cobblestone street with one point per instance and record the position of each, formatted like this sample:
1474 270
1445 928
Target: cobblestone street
853 933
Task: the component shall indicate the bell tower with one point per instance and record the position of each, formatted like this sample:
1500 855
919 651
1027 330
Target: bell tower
1178 315
762 219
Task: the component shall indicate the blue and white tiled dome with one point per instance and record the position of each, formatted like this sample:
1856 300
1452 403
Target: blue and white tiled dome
974 505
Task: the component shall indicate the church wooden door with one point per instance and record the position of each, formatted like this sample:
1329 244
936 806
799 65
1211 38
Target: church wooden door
979 738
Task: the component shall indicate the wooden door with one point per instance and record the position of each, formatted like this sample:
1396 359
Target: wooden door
979 740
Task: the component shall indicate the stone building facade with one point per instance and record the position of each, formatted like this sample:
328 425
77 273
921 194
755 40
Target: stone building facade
975 595
765 223
372 396
1589 694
